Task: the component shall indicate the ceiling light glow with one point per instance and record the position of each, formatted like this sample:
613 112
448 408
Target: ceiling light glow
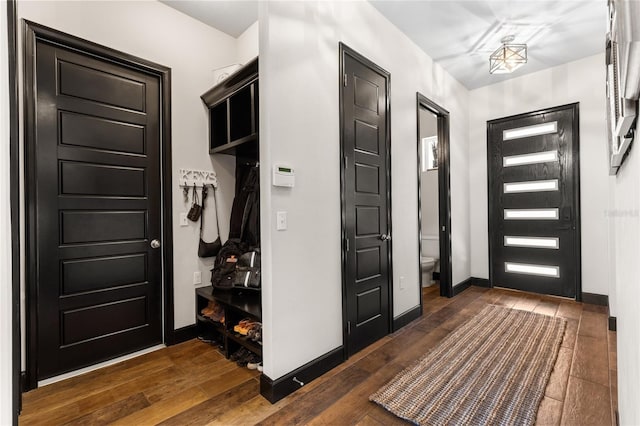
528 33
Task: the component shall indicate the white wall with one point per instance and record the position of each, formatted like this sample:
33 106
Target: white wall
6 296
626 223
579 81
247 44
299 125
193 50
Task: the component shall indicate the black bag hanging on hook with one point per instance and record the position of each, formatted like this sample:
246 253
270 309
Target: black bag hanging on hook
196 209
206 249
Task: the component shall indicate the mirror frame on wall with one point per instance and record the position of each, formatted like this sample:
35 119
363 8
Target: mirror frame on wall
444 193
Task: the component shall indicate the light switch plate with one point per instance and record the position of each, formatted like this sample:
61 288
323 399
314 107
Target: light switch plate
197 277
281 221
183 219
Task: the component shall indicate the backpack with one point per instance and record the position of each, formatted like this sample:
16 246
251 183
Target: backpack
248 271
224 269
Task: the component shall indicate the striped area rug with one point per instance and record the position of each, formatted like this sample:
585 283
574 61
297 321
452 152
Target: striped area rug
493 370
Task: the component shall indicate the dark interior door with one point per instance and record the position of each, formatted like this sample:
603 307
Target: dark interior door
534 204
97 177
366 203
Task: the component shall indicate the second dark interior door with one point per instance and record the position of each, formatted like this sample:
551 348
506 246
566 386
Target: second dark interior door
366 201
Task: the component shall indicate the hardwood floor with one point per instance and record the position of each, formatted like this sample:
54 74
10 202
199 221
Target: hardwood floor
192 383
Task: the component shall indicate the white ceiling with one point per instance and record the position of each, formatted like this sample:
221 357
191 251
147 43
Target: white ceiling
460 35
229 16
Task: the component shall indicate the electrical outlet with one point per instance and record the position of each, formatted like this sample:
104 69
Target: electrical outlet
183 219
401 283
197 277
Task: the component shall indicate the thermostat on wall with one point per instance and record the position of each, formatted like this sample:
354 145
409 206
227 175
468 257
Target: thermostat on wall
283 176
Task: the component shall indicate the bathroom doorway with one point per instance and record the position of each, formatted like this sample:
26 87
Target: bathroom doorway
434 196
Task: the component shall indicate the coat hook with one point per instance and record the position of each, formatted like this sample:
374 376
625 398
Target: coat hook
185 192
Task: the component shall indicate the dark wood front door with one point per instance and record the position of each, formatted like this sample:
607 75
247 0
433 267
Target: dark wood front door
96 160
366 201
534 227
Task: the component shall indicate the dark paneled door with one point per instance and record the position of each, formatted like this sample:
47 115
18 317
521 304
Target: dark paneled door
534 206
98 220
366 203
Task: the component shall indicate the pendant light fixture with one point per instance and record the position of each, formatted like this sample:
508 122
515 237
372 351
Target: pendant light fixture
508 57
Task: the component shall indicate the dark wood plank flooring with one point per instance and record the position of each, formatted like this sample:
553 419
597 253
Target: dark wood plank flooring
193 384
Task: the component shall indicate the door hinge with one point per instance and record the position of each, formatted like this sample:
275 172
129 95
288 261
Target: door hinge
347 240
345 79
348 327
344 158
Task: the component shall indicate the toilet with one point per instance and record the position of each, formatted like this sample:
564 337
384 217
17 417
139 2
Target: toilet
430 258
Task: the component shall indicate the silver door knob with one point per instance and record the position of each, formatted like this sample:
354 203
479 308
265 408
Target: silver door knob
155 244
385 237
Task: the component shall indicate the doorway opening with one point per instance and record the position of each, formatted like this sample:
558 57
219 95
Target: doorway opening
434 196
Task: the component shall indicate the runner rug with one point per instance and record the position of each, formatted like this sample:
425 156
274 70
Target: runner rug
492 370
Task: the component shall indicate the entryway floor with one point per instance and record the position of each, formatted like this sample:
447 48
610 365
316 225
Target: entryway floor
192 383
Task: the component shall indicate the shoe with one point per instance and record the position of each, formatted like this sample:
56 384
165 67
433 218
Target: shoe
243 361
242 325
257 336
208 338
253 363
256 328
216 314
206 311
259 367
239 354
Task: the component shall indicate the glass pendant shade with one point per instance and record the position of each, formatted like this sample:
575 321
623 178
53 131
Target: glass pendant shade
508 58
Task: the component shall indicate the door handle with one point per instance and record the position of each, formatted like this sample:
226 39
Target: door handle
384 237
155 244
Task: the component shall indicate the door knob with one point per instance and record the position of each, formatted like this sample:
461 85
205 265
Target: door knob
385 237
155 244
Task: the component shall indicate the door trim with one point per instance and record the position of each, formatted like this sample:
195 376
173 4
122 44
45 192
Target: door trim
575 108
346 50
32 33
14 178
444 194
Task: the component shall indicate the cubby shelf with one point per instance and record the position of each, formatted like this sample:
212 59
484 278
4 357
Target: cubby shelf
244 146
236 307
247 343
233 113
